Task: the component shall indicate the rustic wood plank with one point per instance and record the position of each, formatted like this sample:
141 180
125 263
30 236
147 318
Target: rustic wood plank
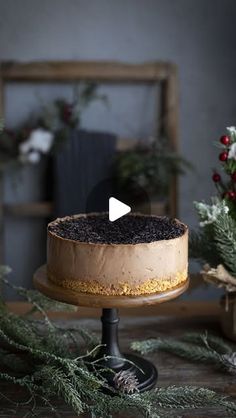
56 71
35 209
175 308
1 176
2 257
1 94
170 127
106 71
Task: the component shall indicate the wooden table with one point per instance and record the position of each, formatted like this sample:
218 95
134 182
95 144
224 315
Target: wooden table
170 319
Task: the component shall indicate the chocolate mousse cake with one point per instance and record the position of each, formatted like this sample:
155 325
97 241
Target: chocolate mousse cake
135 255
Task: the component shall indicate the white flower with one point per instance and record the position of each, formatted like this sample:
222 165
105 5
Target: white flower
39 140
33 157
232 151
231 130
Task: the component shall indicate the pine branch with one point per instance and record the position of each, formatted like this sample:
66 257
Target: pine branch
19 330
35 352
191 398
56 371
25 382
162 401
40 302
56 378
181 349
205 348
225 237
25 331
188 349
215 342
79 388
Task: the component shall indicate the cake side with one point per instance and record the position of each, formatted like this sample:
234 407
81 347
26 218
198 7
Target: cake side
118 269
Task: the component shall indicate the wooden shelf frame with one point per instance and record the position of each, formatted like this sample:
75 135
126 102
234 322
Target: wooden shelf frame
163 73
100 71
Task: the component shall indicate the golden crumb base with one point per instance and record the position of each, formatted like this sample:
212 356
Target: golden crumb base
122 288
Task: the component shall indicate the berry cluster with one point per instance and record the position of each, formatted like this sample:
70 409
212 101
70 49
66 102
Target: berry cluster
227 187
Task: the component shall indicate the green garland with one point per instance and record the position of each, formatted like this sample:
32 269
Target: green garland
206 348
39 357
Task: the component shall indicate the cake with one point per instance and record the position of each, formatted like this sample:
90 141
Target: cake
135 255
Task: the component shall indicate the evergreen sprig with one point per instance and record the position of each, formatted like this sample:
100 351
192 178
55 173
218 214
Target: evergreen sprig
215 242
197 347
225 237
211 340
40 302
56 366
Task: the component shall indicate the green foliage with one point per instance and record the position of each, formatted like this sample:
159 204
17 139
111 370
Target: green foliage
225 182
190 397
215 243
225 238
149 167
48 361
204 348
214 341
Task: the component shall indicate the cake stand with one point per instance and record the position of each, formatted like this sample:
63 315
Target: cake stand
109 354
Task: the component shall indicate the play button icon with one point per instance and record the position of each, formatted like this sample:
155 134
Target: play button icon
117 209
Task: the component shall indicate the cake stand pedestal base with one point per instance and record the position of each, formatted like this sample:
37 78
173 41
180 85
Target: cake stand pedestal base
109 355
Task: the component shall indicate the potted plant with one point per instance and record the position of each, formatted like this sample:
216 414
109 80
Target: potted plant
215 242
149 167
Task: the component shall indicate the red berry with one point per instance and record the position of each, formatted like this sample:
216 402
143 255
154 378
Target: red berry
233 176
216 177
10 133
231 195
67 113
223 156
225 140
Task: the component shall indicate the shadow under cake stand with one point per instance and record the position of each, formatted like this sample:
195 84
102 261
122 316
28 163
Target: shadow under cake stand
144 370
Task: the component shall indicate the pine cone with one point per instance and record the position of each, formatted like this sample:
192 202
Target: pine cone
126 382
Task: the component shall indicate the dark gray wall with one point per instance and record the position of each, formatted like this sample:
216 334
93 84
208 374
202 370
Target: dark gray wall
197 35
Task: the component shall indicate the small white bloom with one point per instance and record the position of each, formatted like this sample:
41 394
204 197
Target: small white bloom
33 157
232 151
231 130
39 140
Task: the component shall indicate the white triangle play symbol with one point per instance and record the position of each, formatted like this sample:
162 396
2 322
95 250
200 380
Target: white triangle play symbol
117 209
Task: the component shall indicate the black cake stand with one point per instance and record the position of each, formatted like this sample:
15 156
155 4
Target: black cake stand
144 370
